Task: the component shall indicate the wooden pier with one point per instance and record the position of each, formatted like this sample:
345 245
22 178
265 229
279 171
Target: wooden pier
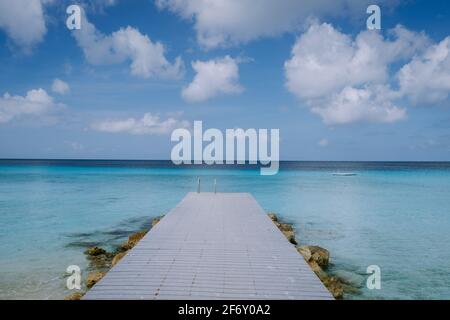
212 246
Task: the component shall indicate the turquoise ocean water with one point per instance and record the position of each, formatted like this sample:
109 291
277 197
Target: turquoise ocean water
394 215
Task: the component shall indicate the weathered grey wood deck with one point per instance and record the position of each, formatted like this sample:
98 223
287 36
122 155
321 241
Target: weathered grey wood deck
212 246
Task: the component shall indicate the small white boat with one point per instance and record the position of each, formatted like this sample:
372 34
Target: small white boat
344 174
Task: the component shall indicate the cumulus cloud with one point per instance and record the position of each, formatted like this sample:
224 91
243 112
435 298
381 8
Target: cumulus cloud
148 124
426 78
223 23
60 87
147 58
23 21
35 103
213 77
346 80
359 105
325 60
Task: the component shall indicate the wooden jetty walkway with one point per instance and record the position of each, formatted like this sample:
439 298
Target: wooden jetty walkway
212 246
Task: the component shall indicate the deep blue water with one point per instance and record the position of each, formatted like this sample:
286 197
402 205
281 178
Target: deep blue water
391 214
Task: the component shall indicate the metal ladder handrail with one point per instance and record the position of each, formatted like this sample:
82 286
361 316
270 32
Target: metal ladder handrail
198 185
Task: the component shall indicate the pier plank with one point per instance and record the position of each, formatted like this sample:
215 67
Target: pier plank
212 246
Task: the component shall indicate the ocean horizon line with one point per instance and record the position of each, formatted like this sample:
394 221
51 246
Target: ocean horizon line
332 165
168 160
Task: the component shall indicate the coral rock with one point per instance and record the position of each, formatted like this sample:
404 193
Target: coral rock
315 253
95 251
93 278
155 221
117 258
133 240
290 235
74 296
334 285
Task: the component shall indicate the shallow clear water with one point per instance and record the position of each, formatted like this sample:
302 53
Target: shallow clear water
394 215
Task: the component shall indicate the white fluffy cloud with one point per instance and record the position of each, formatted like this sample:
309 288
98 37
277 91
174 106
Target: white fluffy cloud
346 80
426 78
60 87
213 77
127 44
148 124
222 23
23 21
359 105
325 60
35 103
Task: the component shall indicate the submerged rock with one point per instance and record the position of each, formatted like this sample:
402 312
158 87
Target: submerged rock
136 237
133 240
100 262
290 235
334 285
74 296
315 253
156 220
118 257
318 270
351 279
99 259
93 278
95 251
320 255
318 258
286 228
305 252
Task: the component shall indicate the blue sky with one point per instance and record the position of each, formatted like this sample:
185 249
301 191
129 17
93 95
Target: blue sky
334 89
